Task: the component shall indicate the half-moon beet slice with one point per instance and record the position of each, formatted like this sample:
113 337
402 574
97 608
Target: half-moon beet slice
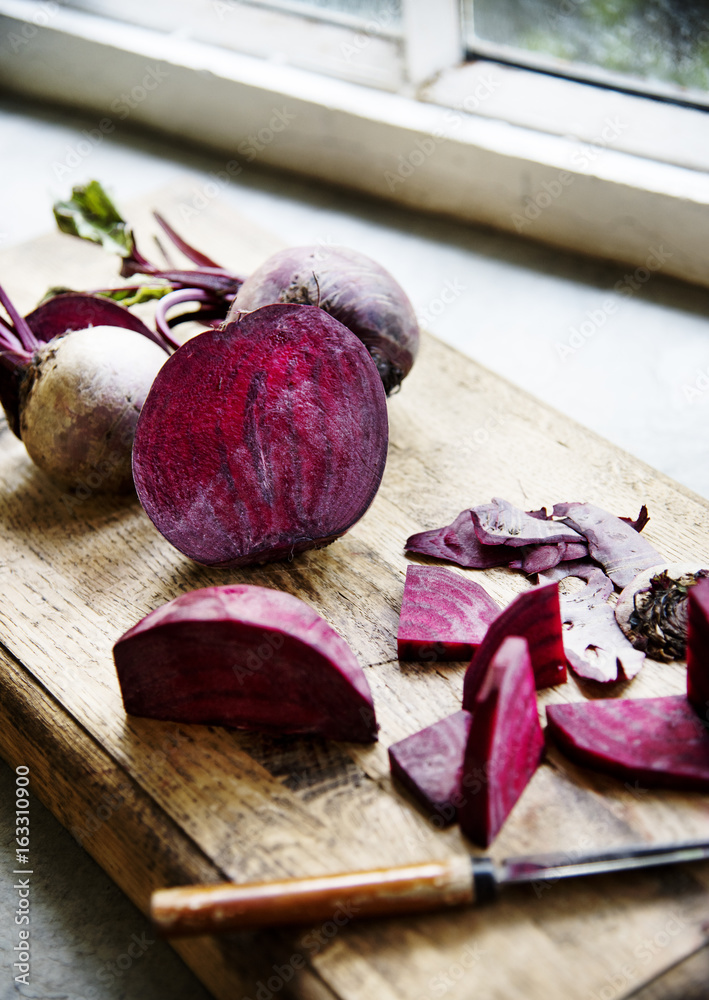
535 615
698 649
504 746
248 657
262 439
444 616
651 741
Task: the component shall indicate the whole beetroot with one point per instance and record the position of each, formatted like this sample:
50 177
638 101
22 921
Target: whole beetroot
351 287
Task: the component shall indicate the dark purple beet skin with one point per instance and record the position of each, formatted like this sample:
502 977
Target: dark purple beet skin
444 616
247 657
349 286
656 742
504 745
428 764
535 615
262 439
698 649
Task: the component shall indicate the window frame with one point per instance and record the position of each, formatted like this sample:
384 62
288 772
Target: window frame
442 144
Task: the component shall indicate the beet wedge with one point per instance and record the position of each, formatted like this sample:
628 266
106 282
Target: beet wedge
248 657
428 764
504 746
444 616
535 616
647 742
262 439
698 648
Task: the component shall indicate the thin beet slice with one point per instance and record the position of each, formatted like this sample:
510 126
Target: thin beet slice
504 746
614 543
698 649
458 543
501 523
593 641
248 657
535 616
79 310
646 741
262 439
429 762
443 615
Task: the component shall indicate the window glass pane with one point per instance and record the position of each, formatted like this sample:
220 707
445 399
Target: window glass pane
656 42
380 14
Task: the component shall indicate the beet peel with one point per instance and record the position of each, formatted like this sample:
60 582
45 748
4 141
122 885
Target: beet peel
246 657
286 449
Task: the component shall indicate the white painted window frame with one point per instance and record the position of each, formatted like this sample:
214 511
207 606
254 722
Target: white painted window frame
562 167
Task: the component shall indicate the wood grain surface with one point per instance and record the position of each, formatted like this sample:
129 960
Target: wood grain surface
164 804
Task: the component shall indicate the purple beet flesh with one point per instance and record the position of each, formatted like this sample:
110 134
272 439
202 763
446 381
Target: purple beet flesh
698 648
444 616
248 657
262 439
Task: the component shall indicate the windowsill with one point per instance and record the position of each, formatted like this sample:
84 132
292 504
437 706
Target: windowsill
581 189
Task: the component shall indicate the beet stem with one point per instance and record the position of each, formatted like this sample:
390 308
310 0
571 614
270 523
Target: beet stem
196 256
22 328
172 299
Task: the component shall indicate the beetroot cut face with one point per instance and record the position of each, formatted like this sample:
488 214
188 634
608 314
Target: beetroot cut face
262 439
698 648
535 615
656 742
443 615
428 764
504 746
248 657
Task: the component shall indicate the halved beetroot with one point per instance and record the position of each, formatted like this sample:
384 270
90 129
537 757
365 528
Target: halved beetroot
262 439
648 741
698 648
535 616
444 616
248 657
504 746
428 764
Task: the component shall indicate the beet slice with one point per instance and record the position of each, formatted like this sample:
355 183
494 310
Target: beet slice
458 543
428 764
443 615
535 616
248 657
504 746
593 641
79 310
656 742
501 523
698 649
263 438
613 542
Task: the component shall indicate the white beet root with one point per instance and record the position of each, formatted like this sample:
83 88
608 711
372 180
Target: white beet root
79 404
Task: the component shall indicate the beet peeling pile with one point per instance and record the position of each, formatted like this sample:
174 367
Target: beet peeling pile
247 657
262 439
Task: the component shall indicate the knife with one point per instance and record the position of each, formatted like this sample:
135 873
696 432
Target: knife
191 910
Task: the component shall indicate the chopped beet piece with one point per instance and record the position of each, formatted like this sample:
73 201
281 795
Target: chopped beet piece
444 616
458 543
535 616
245 656
648 741
594 644
698 649
617 546
428 763
500 522
505 743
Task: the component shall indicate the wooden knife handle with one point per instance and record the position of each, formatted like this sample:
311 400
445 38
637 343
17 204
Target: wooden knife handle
191 910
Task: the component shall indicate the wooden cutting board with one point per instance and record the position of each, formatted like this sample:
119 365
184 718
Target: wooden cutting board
163 804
